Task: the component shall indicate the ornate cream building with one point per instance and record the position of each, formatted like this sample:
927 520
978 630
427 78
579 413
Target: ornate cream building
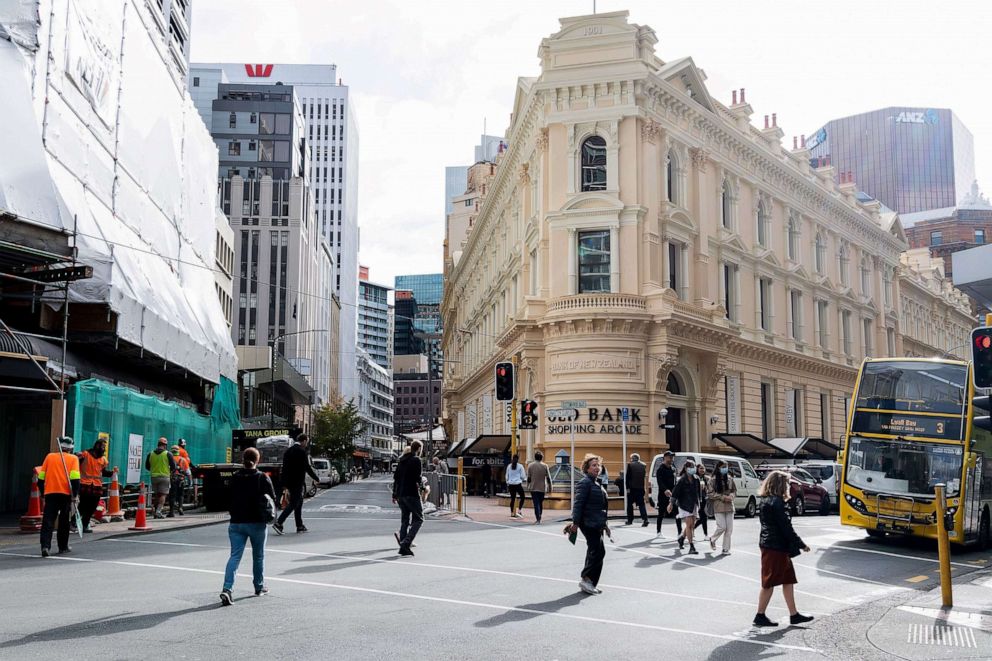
934 317
641 245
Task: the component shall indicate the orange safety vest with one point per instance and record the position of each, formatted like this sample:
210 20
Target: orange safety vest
53 472
182 463
91 472
184 454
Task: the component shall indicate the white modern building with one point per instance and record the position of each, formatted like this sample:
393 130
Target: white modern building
374 334
375 406
332 134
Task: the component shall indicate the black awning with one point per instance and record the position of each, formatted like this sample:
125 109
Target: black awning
484 444
749 445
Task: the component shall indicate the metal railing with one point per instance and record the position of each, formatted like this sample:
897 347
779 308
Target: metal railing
444 491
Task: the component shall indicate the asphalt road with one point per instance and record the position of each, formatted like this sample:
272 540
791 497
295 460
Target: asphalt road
474 591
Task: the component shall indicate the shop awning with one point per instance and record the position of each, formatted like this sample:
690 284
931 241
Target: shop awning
456 450
749 445
483 444
811 448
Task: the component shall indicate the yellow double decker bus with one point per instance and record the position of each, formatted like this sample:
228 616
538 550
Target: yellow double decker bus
911 426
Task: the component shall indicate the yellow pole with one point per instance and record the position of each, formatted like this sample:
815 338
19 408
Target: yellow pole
513 411
461 481
943 548
988 318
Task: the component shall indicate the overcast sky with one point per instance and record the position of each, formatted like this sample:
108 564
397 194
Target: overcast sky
425 74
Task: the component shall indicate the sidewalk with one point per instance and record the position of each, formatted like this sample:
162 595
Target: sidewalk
11 537
921 629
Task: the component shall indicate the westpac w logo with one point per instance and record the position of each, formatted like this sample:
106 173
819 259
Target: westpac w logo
258 70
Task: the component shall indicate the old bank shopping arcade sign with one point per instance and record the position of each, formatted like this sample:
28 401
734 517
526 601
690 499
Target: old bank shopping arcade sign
593 420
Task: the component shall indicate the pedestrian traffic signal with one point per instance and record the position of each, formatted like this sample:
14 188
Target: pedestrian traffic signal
981 355
504 382
528 414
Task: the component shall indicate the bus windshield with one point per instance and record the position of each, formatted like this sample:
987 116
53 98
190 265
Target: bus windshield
913 386
903 467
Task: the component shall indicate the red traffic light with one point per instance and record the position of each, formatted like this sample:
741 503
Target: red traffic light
981 356
983 342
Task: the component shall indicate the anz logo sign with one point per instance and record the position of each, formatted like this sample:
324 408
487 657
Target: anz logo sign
910 117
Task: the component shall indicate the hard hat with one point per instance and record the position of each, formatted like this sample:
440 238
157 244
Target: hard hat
175 449
66 442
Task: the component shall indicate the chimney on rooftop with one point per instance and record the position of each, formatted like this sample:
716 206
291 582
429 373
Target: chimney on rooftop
766 121
742 96
802 141
795 143
775 119
734 102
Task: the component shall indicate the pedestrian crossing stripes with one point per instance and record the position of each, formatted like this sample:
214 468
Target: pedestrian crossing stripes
937 634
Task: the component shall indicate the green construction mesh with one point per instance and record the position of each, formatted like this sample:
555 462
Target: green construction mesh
97 406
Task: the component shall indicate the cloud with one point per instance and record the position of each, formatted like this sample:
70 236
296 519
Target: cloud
425 74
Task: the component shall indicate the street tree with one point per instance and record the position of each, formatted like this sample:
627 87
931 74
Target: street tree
336 427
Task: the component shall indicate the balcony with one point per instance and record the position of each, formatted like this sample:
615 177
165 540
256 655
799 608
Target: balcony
578 304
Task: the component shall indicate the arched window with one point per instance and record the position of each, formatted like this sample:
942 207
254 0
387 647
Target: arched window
792 243
762 222
845 264
672 177
674 387
820 253
594 163
727 205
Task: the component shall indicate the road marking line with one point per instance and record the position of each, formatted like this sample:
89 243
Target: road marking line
393 562
840 547
857 579
445 600
917 579
846 602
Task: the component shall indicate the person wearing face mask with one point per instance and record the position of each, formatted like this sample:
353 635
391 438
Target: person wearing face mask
589 516
685 496
92 470
721 492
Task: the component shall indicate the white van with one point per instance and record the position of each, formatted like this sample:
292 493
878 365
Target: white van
745 478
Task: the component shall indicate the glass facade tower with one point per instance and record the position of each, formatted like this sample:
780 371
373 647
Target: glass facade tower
910 159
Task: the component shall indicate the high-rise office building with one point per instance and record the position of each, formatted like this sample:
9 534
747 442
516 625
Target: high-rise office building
283 263
373 319
456 176
909 159
332 134
427 290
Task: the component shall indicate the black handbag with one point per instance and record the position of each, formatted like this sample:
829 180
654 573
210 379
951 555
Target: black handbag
266 505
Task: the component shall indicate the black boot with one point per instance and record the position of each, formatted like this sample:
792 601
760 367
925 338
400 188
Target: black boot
799 618
761 620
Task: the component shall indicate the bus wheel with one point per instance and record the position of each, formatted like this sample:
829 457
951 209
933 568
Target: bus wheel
751 509
877 534
984 533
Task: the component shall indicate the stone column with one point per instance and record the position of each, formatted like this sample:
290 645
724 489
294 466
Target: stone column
614 259
573 261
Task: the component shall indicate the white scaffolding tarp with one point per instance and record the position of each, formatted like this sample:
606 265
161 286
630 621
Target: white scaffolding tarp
105 135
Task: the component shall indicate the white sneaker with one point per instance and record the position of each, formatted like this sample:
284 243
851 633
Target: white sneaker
587 587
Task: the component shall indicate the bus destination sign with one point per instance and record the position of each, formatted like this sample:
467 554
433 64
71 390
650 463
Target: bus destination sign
867 421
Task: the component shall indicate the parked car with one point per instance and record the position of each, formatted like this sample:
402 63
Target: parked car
806 494
323 469
745 477
825 470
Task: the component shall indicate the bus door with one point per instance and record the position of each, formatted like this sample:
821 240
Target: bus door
974 492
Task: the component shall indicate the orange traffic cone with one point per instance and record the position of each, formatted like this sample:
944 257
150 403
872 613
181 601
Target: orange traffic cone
31 522
139 519
114 510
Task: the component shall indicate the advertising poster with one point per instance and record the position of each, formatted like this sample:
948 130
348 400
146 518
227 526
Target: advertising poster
135 443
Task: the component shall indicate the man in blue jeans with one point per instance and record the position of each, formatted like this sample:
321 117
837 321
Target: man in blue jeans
406 493
248 487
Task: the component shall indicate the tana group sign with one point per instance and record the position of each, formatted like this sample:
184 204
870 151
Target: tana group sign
596 420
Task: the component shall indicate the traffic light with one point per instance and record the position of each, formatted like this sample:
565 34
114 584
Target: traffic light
528 414
504 382
981 355
983 404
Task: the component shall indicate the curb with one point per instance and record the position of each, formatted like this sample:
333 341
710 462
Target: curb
184 526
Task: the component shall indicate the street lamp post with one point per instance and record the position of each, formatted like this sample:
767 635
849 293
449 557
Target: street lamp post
272 370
